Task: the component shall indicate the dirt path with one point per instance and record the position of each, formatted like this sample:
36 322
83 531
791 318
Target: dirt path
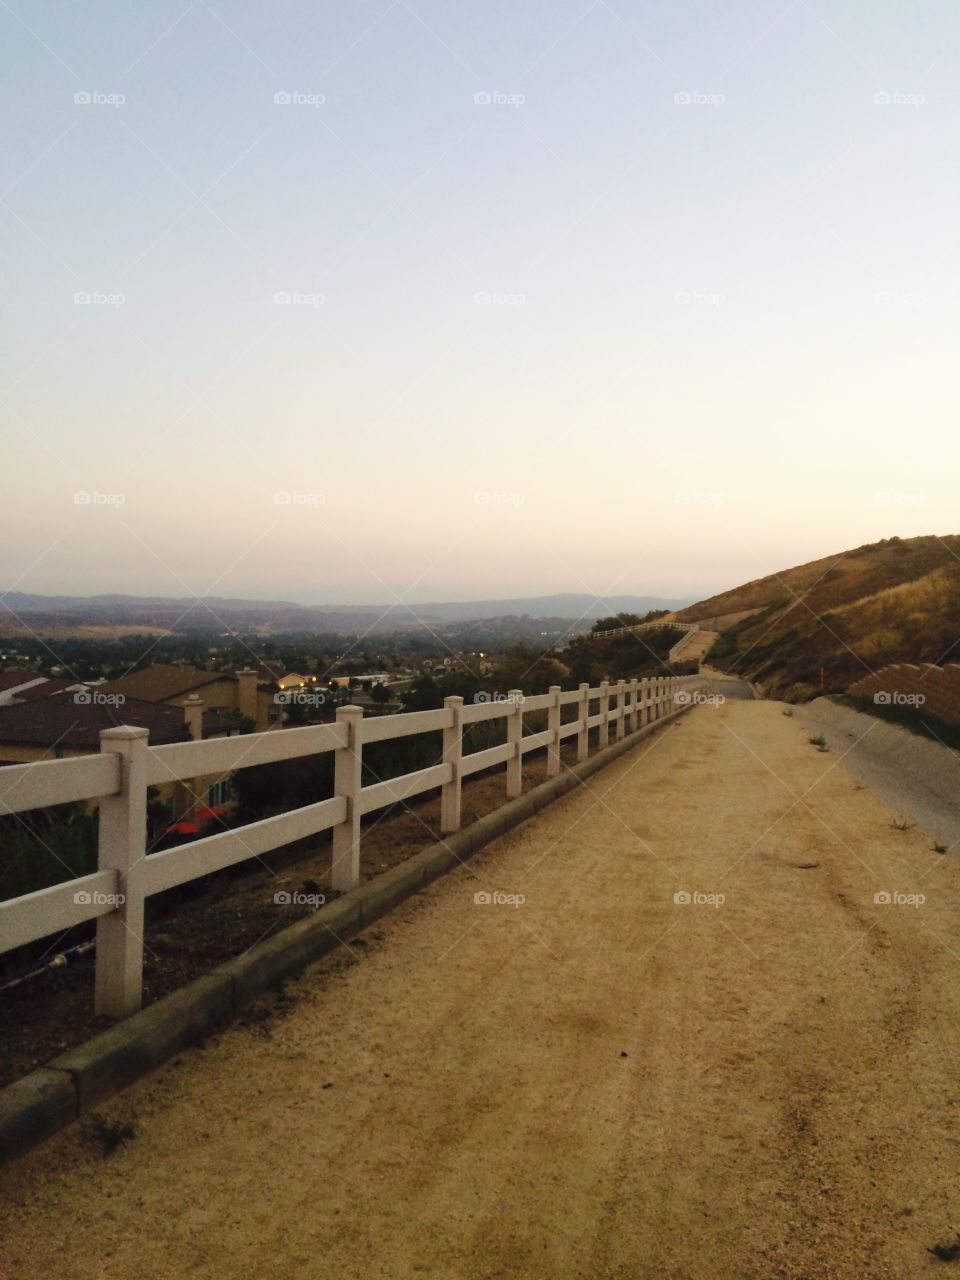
600 1082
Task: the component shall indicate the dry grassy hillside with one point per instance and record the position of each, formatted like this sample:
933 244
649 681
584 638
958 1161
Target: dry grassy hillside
826 624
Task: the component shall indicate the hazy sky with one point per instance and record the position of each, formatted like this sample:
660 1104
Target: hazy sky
507 297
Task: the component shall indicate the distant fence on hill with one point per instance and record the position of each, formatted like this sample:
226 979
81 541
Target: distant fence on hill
675 654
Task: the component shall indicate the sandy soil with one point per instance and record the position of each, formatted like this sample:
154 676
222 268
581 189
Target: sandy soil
191 930
699 646
599 1082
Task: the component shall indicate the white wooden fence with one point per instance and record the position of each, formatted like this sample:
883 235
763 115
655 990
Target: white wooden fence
689 629
634 628
127 765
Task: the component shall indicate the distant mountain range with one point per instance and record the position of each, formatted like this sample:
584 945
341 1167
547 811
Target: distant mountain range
186 614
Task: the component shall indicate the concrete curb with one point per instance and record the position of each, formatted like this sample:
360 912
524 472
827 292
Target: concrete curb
35 1107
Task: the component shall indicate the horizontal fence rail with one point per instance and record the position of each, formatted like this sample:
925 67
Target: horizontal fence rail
118 778
633 628
177 762
27 786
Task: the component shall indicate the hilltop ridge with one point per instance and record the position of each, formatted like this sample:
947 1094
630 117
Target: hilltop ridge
822 625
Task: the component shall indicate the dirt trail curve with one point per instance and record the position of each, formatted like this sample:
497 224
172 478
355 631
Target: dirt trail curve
600 1082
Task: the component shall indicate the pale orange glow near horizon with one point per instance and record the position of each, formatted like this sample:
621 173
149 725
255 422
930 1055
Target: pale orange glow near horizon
682 330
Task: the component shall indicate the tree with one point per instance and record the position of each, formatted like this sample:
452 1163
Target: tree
239 721
423 695
616 620
524 667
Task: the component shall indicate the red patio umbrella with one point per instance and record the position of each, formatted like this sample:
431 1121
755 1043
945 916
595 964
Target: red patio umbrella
206 813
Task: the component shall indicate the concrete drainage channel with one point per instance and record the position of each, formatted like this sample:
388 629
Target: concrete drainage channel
48 1099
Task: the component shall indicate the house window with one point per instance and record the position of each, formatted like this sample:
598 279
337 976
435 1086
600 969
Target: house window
219 793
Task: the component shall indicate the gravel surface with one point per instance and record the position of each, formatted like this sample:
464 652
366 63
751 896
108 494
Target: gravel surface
600 1081
919 778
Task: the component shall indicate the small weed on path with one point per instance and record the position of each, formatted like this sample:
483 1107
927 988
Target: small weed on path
109 1134
946 1252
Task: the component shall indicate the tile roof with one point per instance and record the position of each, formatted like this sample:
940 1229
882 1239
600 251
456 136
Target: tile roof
10 679
163 680
52 684
61 721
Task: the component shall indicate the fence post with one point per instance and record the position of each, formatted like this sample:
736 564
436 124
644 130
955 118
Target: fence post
189 795
515 736
553 725
604 712
452 755
118 985
621 708
347 773
634 694
583 715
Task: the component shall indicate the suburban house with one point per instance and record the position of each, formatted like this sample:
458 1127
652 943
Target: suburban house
69 723
293 680
371 678
22 685
220 691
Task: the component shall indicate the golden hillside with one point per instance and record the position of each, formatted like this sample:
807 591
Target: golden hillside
826 624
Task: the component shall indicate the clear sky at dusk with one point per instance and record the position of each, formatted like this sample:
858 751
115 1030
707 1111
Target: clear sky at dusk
338 302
